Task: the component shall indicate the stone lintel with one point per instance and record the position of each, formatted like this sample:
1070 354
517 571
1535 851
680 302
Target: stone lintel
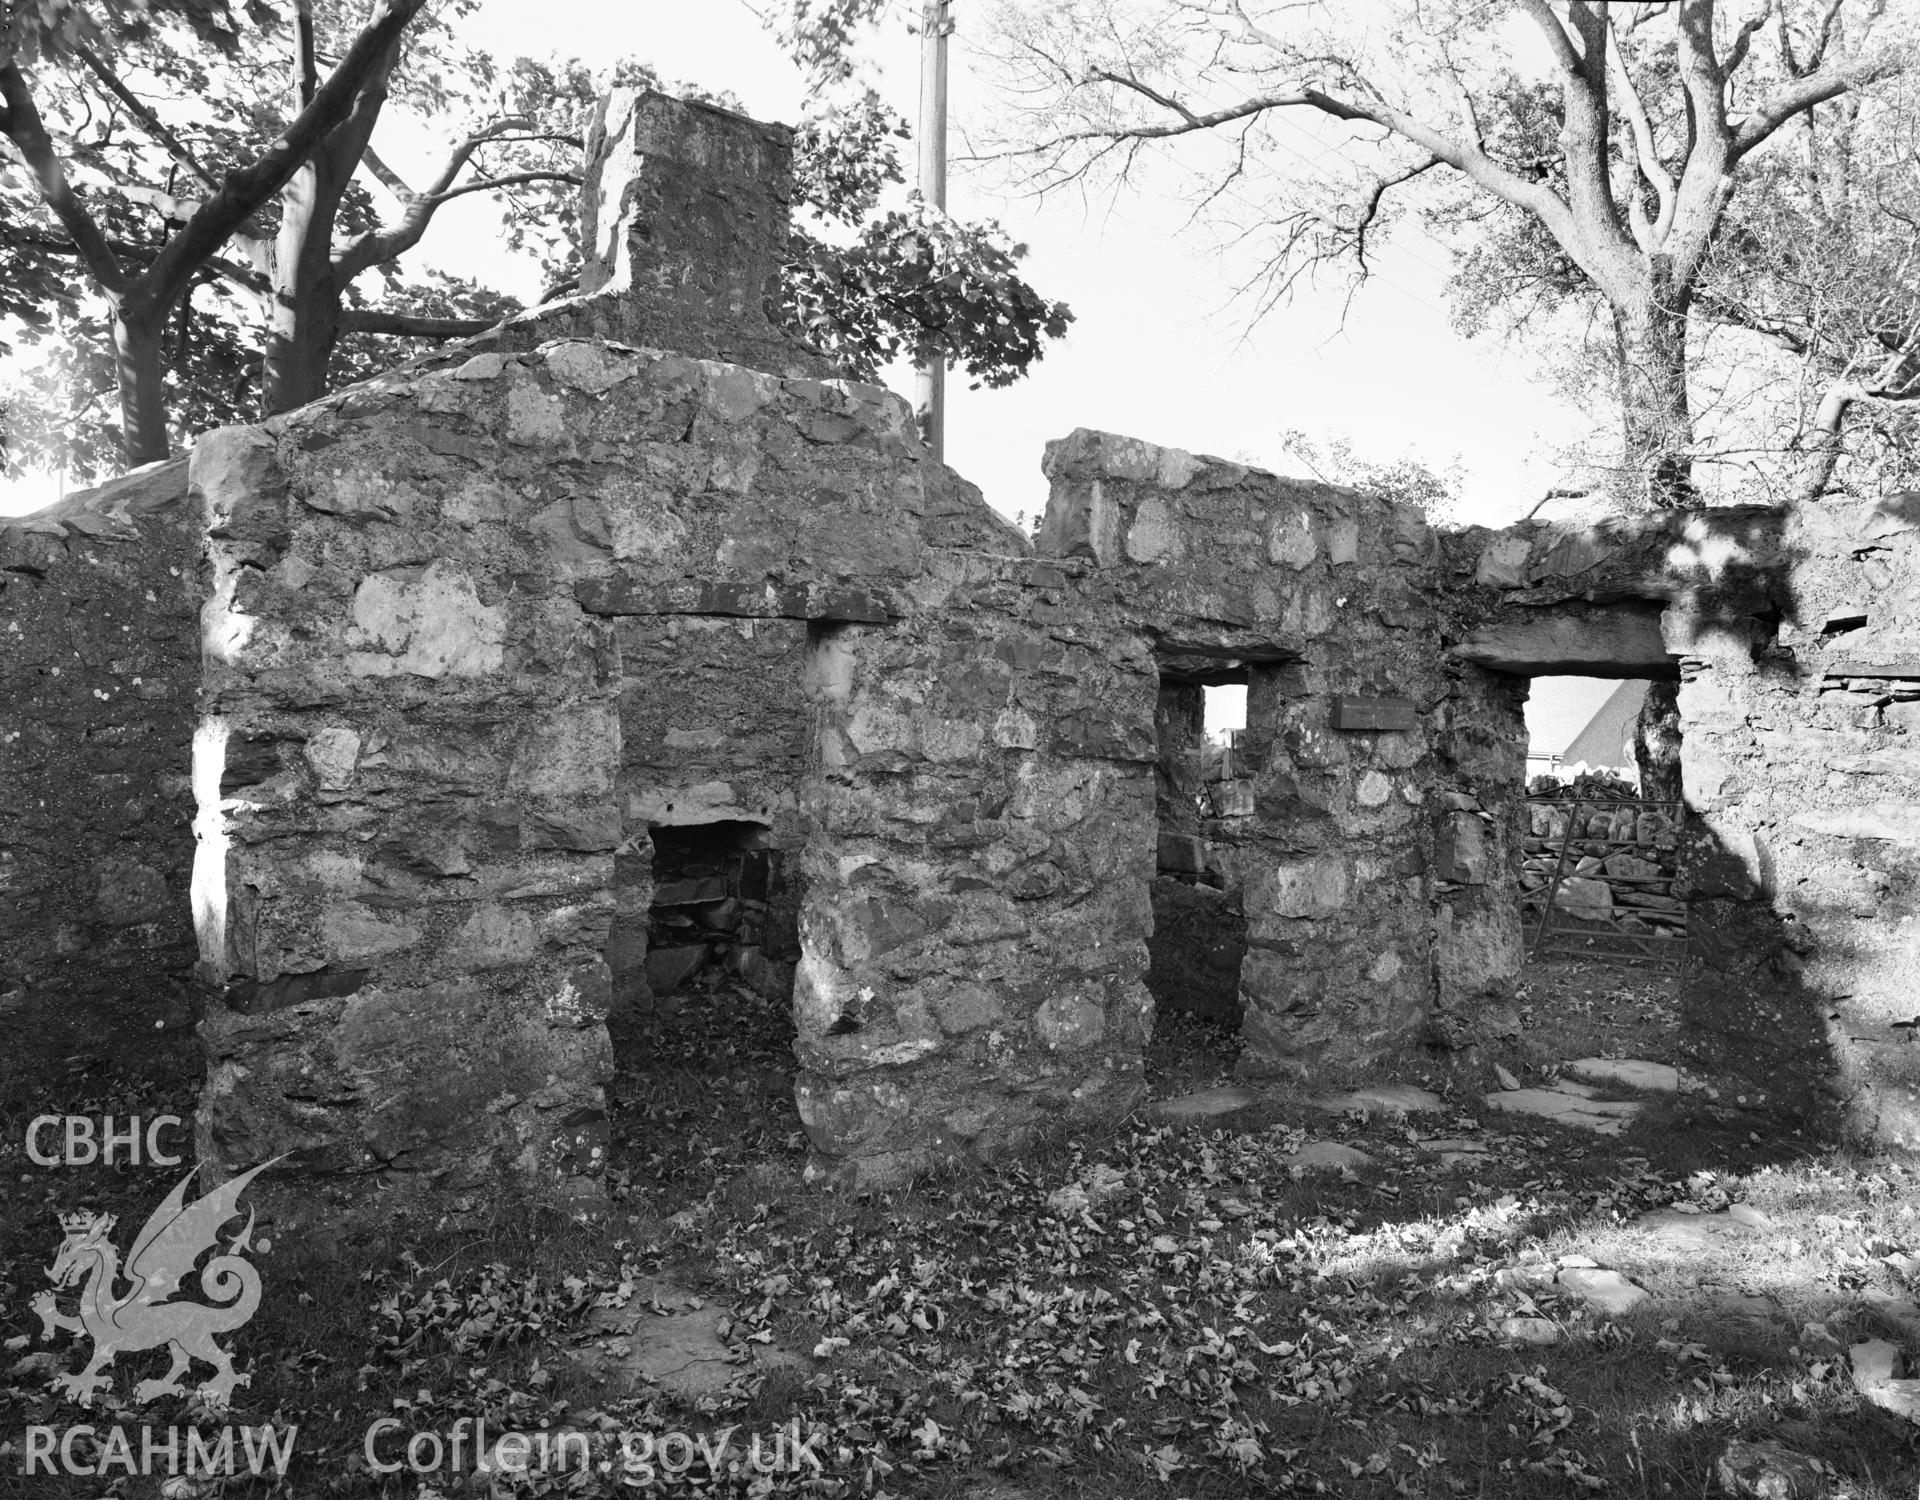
1617 640
1228 645
1901 666
710 596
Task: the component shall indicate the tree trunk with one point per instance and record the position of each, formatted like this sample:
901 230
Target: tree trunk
304 323
1650 336
1656 742
142 372
301 337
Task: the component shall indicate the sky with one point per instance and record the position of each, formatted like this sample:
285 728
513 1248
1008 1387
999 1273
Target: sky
1159 348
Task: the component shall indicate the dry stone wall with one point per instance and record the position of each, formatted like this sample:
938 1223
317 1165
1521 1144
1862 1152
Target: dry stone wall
98 668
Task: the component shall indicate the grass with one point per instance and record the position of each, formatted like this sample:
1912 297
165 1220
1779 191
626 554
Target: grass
1214 1325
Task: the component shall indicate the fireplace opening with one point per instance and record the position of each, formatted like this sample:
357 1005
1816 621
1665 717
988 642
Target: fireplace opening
722 904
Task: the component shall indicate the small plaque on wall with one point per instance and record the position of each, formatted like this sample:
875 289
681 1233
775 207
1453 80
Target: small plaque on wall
1353 712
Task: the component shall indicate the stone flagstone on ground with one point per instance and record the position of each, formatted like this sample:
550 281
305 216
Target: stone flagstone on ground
1206 1107
1633 1073
1566 1104
1605 1291
1328 1156
1876 1366
1702 1230
1381 1099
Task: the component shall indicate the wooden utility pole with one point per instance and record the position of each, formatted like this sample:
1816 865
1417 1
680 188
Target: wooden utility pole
930 377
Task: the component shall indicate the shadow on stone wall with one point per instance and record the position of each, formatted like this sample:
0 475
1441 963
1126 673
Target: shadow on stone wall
1787 629
99 665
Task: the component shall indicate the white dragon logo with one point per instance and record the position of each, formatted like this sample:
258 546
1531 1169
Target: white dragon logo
162 1257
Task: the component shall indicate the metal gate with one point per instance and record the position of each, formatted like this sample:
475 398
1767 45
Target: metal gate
1586 928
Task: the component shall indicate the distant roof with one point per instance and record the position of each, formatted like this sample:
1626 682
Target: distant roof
1558 708
1608 738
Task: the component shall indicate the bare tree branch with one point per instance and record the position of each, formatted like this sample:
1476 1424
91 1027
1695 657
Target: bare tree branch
1370 205
1469 160
1737 53
1827 82
244 192
491 184
1651 167
137 107
391 180
28 132
411 325
376 246
1897 381
306 72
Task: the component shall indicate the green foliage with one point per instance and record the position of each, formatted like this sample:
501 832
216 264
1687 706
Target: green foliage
846 156
34 31
1509 271
867 285
820 34
62 399
918 283
878 283
1406 480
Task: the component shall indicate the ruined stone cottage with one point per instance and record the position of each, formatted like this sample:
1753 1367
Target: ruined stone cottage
422 726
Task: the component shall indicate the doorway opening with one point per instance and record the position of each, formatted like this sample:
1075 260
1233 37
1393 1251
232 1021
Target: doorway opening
1199 921
1600 874
704 944
1603 889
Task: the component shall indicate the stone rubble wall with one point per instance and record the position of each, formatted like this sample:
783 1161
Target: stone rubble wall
99 665
684 218
715 727
976 912
1479 945
478 639
1326 595
426 590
